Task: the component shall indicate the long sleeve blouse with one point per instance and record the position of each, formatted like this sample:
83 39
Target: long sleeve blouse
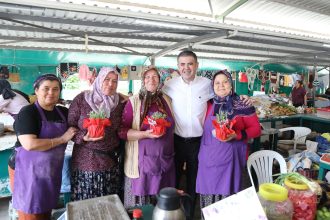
86 156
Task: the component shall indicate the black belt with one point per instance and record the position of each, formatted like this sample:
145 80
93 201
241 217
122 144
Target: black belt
189 139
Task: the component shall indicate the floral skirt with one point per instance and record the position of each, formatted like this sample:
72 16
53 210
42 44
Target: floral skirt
131 200
90 184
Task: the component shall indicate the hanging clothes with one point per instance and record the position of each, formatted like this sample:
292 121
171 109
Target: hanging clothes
83 72
243 77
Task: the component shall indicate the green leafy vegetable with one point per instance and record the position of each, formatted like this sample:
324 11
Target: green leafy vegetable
100 114
221 117
158 115
72 82
298 179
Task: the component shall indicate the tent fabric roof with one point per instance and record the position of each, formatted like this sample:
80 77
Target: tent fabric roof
262 31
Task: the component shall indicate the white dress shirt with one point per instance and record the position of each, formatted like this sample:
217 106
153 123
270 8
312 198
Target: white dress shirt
189 102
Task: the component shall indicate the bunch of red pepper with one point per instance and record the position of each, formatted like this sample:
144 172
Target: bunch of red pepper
223 126
157 123
96 124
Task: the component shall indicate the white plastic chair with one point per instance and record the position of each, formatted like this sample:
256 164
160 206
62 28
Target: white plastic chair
262 163
300 134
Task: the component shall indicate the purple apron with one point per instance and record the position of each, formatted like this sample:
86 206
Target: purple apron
220 163
37 180
156 162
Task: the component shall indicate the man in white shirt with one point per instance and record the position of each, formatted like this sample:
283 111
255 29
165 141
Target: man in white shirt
189 94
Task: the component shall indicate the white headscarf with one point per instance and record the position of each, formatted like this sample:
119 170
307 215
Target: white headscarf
96 99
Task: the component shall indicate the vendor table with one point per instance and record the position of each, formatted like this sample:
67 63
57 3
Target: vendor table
319 122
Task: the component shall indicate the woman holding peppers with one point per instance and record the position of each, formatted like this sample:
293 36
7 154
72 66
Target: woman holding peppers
228 125
147 125
95 156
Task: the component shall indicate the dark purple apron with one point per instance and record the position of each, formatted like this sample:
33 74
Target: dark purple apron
37 180
156 162
220 163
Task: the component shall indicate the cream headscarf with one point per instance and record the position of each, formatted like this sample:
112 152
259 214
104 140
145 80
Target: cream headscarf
96 99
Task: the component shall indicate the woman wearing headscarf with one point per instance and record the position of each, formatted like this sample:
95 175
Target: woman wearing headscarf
42 133
149 158
221 162
11 101
95 167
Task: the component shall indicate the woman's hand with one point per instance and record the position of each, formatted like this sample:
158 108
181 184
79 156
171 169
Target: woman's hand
134 135
149 134
88 138
32 142
230 137
68 135
246 99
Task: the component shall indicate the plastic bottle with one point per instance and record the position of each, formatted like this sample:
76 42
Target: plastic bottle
303 199
274 200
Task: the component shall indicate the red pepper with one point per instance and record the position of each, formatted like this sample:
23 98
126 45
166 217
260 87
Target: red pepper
158 126
304 204
96 126
224 129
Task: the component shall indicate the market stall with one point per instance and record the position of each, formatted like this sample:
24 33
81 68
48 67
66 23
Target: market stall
272 109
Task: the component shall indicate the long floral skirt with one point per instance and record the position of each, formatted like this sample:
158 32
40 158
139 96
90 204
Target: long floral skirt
131 200
88 184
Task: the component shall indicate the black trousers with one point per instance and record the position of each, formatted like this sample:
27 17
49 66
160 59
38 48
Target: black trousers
186 151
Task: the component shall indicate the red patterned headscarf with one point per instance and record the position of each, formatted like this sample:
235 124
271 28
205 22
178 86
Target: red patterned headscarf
147 98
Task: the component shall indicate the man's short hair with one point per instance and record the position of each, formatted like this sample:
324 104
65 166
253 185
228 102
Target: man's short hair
187 53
